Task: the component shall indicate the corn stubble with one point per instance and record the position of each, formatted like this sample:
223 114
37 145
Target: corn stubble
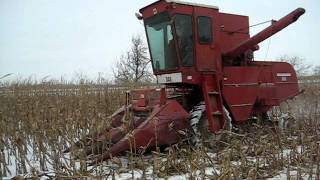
43 119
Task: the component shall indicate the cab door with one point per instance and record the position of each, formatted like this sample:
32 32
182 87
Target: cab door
207 50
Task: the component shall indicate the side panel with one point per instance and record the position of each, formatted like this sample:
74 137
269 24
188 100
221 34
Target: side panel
253 90
284 79
240 90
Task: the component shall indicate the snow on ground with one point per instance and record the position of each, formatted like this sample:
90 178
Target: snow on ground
293 175
33 167
132 174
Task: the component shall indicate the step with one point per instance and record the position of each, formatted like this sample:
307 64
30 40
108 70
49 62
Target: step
213 93
217 113
208 71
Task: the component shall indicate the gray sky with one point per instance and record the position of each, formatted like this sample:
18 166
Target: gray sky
66 37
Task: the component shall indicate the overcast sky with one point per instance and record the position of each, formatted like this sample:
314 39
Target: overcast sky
65 37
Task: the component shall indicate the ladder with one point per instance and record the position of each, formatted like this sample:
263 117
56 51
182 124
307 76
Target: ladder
213 100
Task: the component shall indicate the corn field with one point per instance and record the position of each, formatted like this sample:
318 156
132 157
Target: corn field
37 124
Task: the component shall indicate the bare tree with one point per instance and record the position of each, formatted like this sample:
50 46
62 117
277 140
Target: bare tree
316 71
134 65
298 64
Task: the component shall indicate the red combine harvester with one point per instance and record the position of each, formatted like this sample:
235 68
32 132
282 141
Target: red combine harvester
205 58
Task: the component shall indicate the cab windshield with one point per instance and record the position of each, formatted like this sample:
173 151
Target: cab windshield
161 43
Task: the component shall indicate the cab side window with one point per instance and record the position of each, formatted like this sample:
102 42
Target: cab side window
183 24
204 30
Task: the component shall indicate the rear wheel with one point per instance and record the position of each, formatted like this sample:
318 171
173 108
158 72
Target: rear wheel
199 123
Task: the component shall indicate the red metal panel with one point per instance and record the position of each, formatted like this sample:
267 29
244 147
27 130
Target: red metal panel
233 29
284 78
252 90
240 90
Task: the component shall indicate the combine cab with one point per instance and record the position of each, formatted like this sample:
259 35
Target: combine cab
205 58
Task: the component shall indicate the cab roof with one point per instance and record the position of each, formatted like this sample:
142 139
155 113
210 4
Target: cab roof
192 4
184 3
